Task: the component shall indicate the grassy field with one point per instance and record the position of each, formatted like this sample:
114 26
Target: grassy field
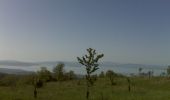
142 89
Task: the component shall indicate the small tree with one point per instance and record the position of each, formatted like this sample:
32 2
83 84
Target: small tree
163 74
150 73
94 78
168 71
129 84
140 70
90 61
59 71
70 75
44 74
101 75
111 75
37 83
35 87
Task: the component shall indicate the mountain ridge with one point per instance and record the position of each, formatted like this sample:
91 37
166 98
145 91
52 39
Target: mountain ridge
74 64
18 67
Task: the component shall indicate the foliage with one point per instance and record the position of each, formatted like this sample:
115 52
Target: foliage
70 75
168 70
140 70
44 74
111 75
150 73
90 61
37 82
102 74
59 72
94 78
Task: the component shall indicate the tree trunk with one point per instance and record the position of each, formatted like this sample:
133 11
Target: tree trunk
87 94
35 93
129 88
88 86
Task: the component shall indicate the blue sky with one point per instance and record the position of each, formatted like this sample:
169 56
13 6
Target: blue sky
126 31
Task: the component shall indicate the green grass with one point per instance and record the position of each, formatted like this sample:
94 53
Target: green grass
142 89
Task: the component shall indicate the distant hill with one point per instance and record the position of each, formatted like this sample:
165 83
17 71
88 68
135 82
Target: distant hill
4 66
76 64
131 65
54 63
14 71
16 63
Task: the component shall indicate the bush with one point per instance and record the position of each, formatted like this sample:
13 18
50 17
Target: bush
39 84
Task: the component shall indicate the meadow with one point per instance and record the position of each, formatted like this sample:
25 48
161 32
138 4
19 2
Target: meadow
142 88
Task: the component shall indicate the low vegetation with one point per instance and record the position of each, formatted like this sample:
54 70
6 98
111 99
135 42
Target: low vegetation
156 88
62 85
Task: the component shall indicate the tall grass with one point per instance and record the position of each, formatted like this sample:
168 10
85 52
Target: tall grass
141 89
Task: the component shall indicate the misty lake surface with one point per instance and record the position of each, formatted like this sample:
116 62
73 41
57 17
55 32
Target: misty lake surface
81 69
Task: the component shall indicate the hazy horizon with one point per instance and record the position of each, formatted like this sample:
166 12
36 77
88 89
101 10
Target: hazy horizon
125 31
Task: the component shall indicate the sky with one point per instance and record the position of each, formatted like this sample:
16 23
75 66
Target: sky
126 31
